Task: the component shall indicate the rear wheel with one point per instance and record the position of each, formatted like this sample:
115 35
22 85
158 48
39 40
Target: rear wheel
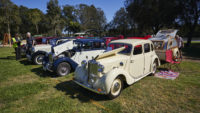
38 59
154 68
116 88
63 69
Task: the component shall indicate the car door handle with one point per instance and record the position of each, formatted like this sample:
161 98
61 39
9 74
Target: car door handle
132 61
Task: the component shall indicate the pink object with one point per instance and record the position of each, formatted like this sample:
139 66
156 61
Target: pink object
167 75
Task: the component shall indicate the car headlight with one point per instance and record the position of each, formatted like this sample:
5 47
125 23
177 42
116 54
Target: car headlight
83 63
101 68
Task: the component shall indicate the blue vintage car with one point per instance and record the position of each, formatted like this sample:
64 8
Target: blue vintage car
67 61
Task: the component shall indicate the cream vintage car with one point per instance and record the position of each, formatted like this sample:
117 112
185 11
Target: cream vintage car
129 61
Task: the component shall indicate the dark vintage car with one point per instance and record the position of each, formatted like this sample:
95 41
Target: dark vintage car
84 49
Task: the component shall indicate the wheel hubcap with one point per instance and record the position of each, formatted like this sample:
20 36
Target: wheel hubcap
116 87
39 59
64 70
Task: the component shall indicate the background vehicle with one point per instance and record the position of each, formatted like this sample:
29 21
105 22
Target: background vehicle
129 61
165 40
109 39
86 49
38 51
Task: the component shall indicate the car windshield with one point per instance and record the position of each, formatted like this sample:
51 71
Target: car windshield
158 45
90 45
52 42
127 49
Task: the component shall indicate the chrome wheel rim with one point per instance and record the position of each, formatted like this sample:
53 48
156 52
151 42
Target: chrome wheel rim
116 87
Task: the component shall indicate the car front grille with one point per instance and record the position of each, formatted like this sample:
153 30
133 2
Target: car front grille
93 73
50 58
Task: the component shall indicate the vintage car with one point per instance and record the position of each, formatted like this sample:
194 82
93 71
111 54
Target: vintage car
85 49
43 40
109 39
145 38
38 51
166 40
129 61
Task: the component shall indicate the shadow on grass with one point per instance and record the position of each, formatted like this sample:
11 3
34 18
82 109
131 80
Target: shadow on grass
192 52
25 62
8 58
77 92
40 72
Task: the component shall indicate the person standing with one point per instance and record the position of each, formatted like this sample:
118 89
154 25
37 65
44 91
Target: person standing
180 44
29 42
17 46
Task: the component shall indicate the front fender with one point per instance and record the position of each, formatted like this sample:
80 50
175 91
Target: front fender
72 63
37 53
110 77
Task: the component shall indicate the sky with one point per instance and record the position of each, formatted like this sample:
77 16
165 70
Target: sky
108 6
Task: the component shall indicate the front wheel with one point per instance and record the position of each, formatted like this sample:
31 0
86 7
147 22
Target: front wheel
63 69
38 59
154 68
116 88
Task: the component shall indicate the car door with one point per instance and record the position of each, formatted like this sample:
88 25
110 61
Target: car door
136 67
147 58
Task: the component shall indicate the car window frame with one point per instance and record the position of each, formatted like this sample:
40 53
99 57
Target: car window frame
134 49
149 48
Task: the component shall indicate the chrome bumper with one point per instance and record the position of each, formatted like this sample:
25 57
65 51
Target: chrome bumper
89 88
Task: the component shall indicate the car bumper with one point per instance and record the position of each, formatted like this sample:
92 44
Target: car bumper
47 67
88 87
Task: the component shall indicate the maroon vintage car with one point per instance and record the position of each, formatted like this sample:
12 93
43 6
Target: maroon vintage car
43 40
109 39
145 38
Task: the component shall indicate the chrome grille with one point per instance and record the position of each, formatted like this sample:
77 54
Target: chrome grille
93 68
50 58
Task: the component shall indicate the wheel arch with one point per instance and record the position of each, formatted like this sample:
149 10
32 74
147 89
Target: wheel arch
72 64
112 75
37 53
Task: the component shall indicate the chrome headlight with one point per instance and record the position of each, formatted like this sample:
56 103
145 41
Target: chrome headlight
84 63
101 68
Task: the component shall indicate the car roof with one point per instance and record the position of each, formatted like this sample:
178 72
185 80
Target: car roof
131 41
88 40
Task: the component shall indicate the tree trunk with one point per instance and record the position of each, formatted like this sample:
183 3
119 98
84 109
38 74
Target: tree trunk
9 35
189 36
36 26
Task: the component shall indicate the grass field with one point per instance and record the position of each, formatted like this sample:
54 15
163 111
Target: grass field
26 88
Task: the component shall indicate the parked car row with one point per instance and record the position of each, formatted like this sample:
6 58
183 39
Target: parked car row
104 65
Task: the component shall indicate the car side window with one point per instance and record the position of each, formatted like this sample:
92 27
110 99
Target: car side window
152 47
146 48
137 50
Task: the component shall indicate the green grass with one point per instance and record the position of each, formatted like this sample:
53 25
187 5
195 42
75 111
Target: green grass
26 88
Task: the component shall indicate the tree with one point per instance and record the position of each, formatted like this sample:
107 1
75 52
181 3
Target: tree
9 17
189 16
120 21
91 17
71 20
5 8
54 15
35 16
152 14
